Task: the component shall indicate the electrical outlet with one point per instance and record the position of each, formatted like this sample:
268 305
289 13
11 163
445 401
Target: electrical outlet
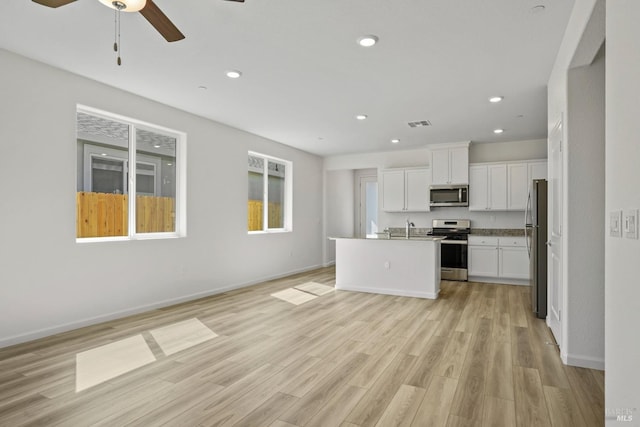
630 223
387 265
615 224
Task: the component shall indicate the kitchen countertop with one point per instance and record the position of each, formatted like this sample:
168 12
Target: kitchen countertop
394 238
507 232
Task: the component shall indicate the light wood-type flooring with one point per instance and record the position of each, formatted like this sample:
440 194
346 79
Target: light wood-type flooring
474 357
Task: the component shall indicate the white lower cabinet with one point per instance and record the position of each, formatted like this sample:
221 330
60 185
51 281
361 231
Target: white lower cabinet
498 257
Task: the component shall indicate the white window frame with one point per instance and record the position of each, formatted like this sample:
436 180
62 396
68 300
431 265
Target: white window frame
181 177
288 195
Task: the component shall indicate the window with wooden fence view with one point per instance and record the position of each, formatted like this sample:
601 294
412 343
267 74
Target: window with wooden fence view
267 187
103 178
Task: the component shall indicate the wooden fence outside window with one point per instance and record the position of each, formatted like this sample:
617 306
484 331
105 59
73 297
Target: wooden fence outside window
105 214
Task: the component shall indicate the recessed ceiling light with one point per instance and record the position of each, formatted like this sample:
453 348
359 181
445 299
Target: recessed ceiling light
368 41
361 117
156 145
103 154
495 99
498 130
233 74
169 164
538 9
395 141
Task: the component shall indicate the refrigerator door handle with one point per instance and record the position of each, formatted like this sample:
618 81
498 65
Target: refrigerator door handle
527 225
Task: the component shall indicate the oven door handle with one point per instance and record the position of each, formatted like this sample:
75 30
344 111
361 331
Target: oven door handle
454 242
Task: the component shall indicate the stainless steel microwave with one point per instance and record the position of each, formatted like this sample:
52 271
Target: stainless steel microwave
449 195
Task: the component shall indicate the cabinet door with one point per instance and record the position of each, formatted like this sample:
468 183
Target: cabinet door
518 187
440 167
393 190
483 261
459 165
497 187
514 262
417 189
478 188
537 170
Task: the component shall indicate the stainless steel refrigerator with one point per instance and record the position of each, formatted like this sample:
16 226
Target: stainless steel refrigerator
536 232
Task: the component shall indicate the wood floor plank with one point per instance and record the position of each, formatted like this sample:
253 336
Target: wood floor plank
369 409
588 394
516 309
531 408
500 371
336 410
498 412
435 407
450 364
563 408
313 401
403 407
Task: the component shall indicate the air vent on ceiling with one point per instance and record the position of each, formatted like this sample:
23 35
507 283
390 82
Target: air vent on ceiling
419 123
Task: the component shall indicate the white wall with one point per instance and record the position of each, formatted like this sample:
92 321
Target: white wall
584 312
508 151
622 286
51 283
340 202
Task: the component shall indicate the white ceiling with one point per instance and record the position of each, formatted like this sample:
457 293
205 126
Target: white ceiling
304 76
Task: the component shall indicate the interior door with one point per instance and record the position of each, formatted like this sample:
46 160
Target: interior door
555 285
368 206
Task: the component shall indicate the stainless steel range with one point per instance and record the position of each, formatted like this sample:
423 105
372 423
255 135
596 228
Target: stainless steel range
453 255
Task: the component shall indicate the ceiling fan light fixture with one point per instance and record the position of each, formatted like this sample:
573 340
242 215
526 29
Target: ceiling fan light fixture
125 5
368 41
233 74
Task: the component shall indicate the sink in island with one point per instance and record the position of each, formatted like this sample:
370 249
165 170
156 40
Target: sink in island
395 266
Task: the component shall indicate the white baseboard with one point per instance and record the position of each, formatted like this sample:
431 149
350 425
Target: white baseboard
329 263
582 361
66 327
395 292
498 281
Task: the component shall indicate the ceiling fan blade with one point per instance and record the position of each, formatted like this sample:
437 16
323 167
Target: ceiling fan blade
160 22
53 3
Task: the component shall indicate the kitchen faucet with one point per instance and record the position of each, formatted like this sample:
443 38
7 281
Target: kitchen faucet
407 230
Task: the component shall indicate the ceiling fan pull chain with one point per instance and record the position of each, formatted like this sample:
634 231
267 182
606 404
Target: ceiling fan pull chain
115 30
119 44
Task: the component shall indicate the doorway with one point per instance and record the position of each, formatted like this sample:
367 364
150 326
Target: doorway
368 206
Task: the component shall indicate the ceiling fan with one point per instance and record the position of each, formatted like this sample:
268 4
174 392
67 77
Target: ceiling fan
147 8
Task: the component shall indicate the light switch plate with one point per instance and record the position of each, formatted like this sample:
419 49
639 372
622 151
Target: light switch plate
630 223
615 224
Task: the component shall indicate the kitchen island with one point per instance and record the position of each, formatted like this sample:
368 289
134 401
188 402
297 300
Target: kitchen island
395 266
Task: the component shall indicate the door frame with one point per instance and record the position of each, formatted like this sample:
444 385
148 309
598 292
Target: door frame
361 213
556 297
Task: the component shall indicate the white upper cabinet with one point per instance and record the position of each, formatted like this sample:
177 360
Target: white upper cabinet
393 190
450 165
518 188
405 190
488 187
503 186
459 166
537 170
417 183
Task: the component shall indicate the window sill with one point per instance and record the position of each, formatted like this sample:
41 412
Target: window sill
146 236
275 231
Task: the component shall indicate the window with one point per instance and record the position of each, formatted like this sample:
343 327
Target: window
269 206
118 157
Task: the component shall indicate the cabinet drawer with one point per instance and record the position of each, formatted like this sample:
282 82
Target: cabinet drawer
483 241
512 242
